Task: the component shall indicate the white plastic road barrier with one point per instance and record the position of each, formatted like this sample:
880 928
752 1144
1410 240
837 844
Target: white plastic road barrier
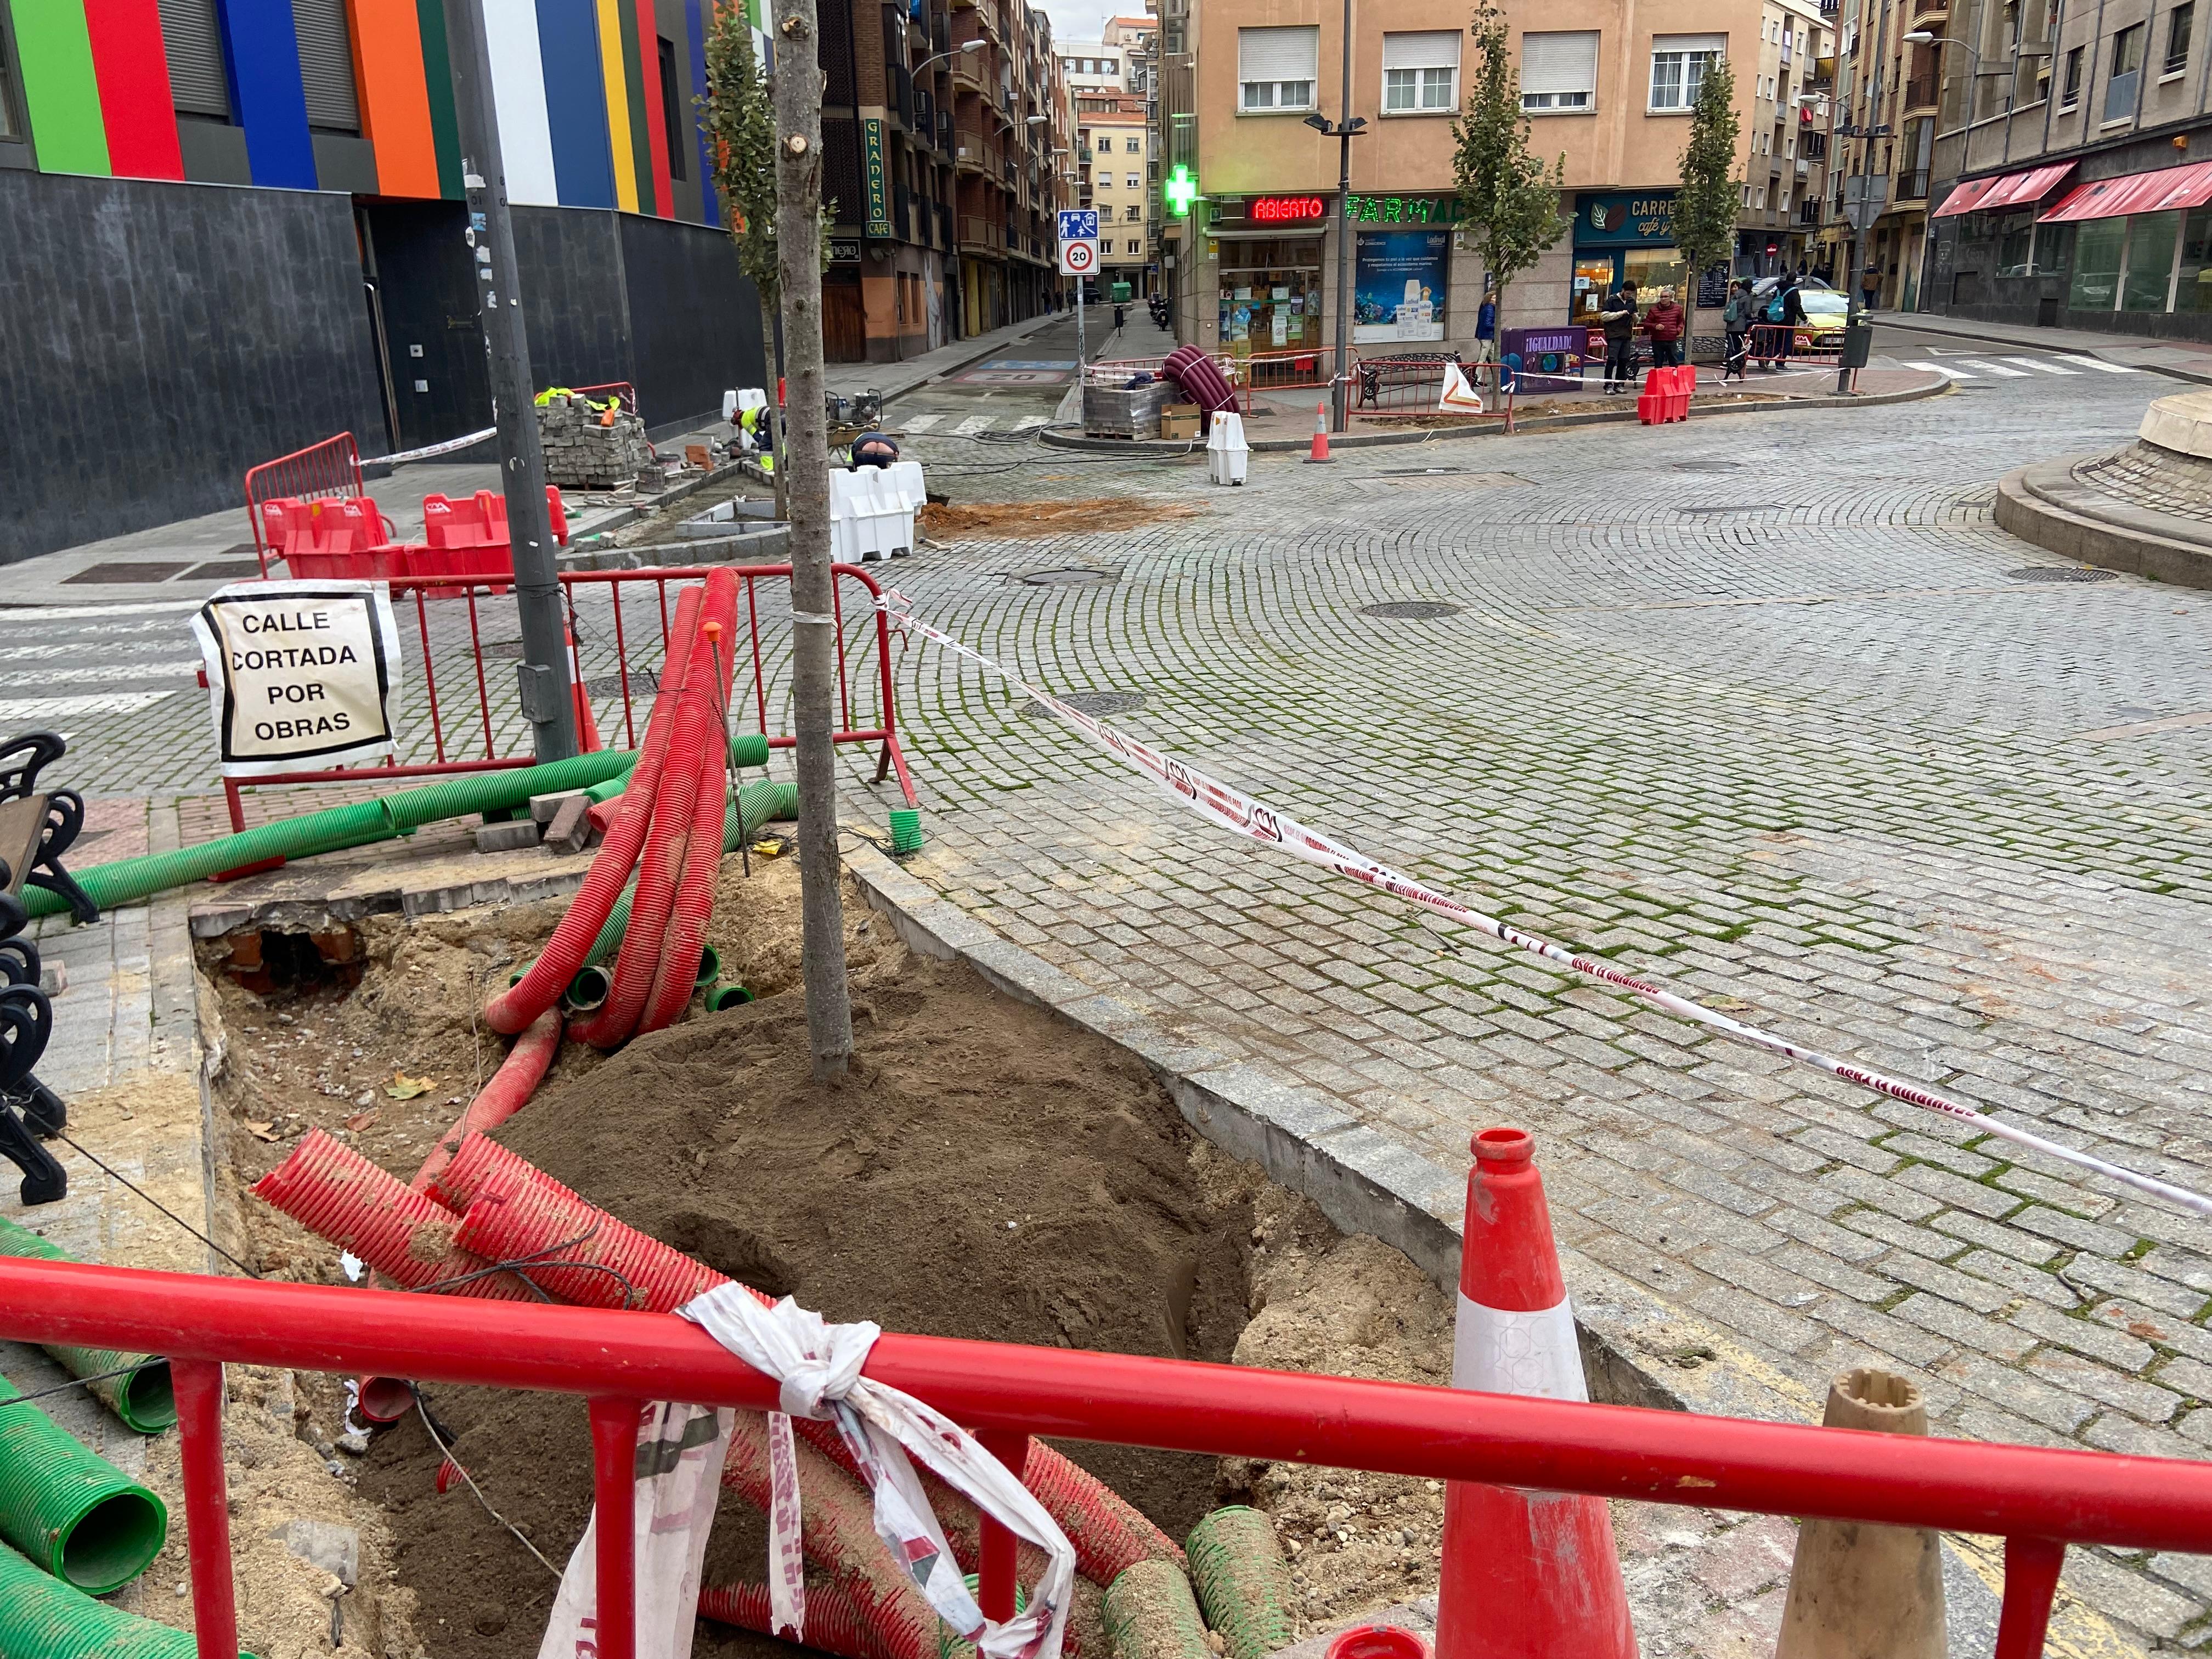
1226 452
1233 810
818 1366
870 514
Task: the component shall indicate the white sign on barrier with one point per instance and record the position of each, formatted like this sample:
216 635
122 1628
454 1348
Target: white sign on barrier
299 673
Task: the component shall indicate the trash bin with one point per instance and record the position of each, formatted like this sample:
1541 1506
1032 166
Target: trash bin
1858 344
1121 294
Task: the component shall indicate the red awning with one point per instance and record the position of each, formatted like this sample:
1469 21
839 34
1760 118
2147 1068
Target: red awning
1964 198
2026 189
2006 190
2160 191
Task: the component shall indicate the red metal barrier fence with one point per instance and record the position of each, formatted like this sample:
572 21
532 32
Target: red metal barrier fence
2038 1501
322 472
466 724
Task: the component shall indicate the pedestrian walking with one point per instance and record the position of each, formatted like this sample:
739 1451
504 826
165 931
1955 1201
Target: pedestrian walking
1618 314
1869 285
1792 302
1486 328
1663 326
1736 319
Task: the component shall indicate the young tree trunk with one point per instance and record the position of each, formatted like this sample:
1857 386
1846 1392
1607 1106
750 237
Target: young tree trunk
771 370
798 103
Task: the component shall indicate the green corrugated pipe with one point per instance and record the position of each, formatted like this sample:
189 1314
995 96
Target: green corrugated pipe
482 791
759 802
77 1514
41 1617
1243 1581
710 968
727 996
142 1397
126 880
746 749
1150 1614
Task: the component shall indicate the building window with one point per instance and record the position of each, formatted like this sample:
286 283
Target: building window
1276 67
1134 246
1679 63
11 116
1105 146
2072 95
1105 180
2149 280
1420 72
2177 25
2192 289
1134 215
672 104
1558 70
2126 78
1132 146
326 65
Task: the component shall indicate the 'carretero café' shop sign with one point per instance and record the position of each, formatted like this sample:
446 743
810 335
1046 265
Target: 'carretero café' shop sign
1625 218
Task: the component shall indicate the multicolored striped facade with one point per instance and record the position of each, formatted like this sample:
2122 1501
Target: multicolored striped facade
592 94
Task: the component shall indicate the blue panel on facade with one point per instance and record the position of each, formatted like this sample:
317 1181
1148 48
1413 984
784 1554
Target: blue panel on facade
576 99
266 92
710 201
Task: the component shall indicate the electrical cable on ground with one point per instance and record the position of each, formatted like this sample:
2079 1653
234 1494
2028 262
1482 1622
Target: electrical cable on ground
64 1388
165 1210
460 1468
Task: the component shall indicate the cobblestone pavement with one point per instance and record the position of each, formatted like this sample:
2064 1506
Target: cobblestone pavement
1767 706
1764 705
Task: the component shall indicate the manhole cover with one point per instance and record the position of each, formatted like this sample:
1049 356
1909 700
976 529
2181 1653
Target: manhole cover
1090 702
1409 611
2060 572
127 571
1707 466
1070 579
642 681
501 651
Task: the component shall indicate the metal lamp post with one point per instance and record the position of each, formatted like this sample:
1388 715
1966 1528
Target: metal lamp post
1343 131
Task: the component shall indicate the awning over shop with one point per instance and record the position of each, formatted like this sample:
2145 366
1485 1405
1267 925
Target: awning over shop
2005 189
2162 192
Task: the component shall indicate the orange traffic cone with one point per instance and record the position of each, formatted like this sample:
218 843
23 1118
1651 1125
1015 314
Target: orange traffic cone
1526 1575
587 729
1321 435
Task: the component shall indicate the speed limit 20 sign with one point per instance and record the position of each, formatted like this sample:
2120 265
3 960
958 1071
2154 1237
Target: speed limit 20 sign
1079 240
1079 258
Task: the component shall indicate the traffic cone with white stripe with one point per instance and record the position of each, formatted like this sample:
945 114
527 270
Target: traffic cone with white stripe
1321 435
1526 1575
587 729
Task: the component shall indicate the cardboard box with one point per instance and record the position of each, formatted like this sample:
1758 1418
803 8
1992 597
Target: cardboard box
1179 420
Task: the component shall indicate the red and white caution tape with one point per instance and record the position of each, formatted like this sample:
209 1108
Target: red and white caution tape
1234 810
445 448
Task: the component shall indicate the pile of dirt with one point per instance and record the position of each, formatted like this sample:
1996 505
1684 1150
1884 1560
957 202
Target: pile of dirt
1005 520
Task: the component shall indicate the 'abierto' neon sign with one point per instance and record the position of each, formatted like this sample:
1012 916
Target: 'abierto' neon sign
1284 209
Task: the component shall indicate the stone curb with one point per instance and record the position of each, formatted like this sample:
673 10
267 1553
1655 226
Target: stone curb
1963 329
1158 447
2036 503
1637 1350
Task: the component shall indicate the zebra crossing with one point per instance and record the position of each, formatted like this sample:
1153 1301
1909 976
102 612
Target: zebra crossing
974 426
2018 368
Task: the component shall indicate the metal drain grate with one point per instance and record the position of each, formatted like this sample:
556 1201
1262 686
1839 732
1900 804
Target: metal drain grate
126 571
1707 466
1409 611
1745 506
1077 578
1100 703
2060 572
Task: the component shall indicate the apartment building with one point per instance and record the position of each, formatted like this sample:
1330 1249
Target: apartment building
1137 38
1119 177
2069 163
1607 86
1883 128
1095 66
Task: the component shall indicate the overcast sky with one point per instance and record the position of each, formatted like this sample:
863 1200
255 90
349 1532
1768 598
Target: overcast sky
1083 20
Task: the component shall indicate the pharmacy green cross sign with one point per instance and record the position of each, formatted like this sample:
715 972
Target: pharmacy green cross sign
1181 190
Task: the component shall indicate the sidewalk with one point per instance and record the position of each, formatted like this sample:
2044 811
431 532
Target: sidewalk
2146 509
2183 359
896 379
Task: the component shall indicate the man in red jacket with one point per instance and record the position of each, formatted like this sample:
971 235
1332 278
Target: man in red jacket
1663 325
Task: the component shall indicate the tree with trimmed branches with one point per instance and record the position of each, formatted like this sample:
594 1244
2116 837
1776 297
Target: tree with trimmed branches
1712 192
740 128
1510 199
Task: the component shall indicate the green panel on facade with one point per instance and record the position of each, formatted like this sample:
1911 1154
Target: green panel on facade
445 118
60 92
641 141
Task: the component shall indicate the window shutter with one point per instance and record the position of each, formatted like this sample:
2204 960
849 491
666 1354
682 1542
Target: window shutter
194 48
1689 43
1277 54
1560 62
326 65
1436 48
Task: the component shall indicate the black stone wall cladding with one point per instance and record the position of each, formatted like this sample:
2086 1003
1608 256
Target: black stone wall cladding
157 339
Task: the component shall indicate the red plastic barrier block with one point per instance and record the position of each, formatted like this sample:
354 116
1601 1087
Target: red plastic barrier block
478 521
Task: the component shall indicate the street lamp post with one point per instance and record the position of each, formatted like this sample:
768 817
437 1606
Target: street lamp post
1343 130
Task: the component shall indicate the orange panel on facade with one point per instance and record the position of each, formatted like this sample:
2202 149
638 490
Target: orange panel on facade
395 96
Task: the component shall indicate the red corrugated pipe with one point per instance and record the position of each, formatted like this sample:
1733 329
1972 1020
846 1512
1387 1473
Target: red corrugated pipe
509 1091
675 979
564 953
514 1209
836 1622
616 1019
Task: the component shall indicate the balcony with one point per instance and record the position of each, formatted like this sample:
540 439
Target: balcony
1922 94
980 234
1930 14
1913 186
